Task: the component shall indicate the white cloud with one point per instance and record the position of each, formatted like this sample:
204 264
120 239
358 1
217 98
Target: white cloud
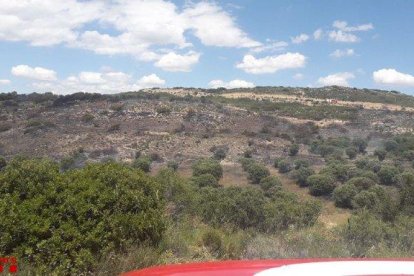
299 39
142 29
178 63
298 76
271 64
101 82
340 36
340 79
231 84
342 53
343 26
4 82
36 73
270 46
393 77
343 32
215 27
318 34
151 81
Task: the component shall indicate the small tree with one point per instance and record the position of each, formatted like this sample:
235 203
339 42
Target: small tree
293 149
321 184
220 153
380 153
351 152
300 163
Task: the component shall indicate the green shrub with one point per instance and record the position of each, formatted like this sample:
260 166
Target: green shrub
388 175
269 182
360 143
64 223
208 166
321 184
236 206
164 110
212 240
220 154
293 149
87 118
257 172
143 163
172 165
365 199
361 183
301 175
407 192
3 162
351 153
205 180
284 166
343 195
391 145
380 153
299 163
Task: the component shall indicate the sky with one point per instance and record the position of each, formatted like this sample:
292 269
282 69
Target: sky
110 46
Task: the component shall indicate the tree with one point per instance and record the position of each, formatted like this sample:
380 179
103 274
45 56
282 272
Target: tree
344 194
293 149
380 153
361 183
351 152
208 166
391 145
299 163
321 184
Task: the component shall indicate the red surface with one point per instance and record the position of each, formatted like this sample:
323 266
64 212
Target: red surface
230 268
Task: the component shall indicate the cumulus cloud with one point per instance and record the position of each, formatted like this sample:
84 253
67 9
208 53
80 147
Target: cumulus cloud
142 29
36 73
231 84
178 63
299 39
106 82
271 64
393 77
4 82
340 79
341 36
151 81
342 53
318 34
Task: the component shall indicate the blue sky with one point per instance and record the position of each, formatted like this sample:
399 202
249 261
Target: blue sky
112 46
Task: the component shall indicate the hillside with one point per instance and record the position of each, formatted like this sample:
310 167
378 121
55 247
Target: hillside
250 170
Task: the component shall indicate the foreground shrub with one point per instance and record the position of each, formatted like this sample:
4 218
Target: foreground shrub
65 222
321 184
208 166
257 172
388 175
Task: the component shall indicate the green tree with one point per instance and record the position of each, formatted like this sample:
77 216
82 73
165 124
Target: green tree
380 153
360 143
343 195
143 163
205 180
388 175
351 153
293 149
269 182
